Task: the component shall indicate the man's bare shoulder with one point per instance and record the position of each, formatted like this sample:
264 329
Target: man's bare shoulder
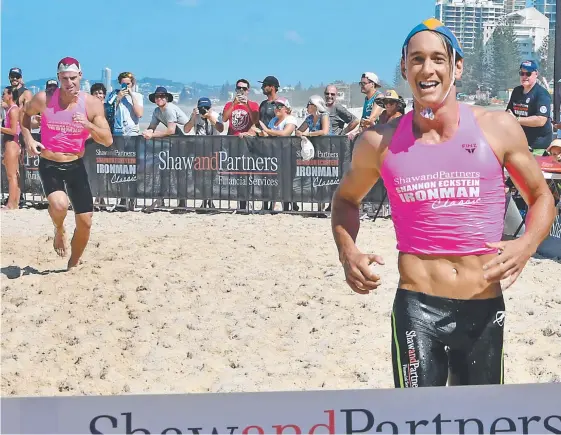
496 120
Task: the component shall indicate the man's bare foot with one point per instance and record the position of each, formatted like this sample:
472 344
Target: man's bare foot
73 263
59 243
9 207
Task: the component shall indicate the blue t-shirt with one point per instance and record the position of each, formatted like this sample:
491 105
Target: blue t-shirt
317 126
368 103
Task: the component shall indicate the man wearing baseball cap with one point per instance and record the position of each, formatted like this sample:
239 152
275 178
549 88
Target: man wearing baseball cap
442 165
370 86
69 117
270 86
21 93
530 103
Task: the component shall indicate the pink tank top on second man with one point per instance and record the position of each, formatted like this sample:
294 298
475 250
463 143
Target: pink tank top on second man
59 133
8 123
446 198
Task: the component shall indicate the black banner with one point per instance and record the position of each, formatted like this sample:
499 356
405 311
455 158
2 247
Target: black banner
213 167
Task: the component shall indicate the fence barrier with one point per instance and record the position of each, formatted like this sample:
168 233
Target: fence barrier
184 171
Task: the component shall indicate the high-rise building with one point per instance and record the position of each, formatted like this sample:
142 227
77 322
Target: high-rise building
106 79
530 28
86 86
514 5
466 17
546 7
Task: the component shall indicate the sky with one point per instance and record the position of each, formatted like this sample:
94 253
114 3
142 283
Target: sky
205 41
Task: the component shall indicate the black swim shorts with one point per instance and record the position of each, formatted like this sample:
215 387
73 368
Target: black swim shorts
436 340
69 177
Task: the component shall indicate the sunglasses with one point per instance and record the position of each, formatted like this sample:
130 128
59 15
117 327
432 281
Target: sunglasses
327 94
160 96
241 88
279 106
364 83
15 76
524 74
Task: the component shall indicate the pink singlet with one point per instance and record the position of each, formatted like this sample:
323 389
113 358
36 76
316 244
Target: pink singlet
58 132
8 124
446 198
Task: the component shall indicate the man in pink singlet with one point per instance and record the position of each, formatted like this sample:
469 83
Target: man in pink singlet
443 166
68 117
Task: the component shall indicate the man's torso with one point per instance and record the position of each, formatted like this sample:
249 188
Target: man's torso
525 105
240 119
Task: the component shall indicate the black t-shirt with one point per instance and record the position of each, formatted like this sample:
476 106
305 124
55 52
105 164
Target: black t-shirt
266 111
537 102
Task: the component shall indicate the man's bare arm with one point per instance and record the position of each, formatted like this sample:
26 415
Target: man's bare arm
355 185
34 107
526 174
533 121
98 125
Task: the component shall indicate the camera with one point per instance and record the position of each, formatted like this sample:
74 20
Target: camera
203 110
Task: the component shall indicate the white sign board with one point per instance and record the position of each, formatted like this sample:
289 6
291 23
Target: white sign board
524 408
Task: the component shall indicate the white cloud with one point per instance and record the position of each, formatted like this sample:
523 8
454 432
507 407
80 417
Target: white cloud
188 3
293 36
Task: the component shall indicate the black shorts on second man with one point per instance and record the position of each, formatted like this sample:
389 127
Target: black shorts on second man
436 340
69 177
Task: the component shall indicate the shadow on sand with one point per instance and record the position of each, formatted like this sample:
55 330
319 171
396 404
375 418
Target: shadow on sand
14 272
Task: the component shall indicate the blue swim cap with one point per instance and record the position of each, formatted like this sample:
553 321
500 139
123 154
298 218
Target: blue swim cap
436 26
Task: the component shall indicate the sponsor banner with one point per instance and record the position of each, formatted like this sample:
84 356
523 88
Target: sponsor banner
523 409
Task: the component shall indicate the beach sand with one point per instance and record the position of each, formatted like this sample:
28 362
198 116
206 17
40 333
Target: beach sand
221 303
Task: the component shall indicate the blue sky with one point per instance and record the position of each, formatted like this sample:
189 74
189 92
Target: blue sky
311 41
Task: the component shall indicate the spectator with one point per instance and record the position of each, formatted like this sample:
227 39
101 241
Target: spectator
282 124
171 117
241 112
21 94
204 119
11 146
99 91
270 86
338 114
393 104
555 150
166 113
317 122
129 106
531 105
369 85
206 123
557 125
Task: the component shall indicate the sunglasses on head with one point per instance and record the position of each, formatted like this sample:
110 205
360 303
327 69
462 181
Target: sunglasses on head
524 74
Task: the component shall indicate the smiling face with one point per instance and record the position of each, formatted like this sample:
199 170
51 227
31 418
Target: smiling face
527 78
428 68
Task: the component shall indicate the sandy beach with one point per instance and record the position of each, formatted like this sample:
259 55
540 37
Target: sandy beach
221 303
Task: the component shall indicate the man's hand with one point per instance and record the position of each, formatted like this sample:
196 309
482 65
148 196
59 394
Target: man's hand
358 274
509 263
82 119
148 134
34 148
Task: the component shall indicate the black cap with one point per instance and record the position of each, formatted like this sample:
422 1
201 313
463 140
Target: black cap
15 71
271 81
51 82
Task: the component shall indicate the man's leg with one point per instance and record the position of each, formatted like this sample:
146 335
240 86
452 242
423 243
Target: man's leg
418 355
480 362
80 195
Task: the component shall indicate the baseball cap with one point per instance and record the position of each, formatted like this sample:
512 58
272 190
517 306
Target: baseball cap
68 64
529 65
14 71
372 77
51 83
434 25
204 102
271 81
283 101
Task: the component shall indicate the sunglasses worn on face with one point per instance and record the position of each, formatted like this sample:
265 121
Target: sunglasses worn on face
15 76
159 96
279 106
524 74
327 94
241 88
363 83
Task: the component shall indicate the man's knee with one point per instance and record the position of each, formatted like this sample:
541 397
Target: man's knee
58 202
84 221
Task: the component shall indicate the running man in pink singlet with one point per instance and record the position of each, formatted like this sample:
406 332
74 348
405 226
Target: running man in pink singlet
68 117
442 165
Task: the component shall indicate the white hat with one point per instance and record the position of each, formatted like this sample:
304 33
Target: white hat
372 77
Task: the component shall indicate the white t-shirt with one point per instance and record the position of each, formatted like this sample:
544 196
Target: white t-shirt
126 121
286 121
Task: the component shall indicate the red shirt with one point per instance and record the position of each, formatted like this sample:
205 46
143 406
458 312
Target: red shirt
240 119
